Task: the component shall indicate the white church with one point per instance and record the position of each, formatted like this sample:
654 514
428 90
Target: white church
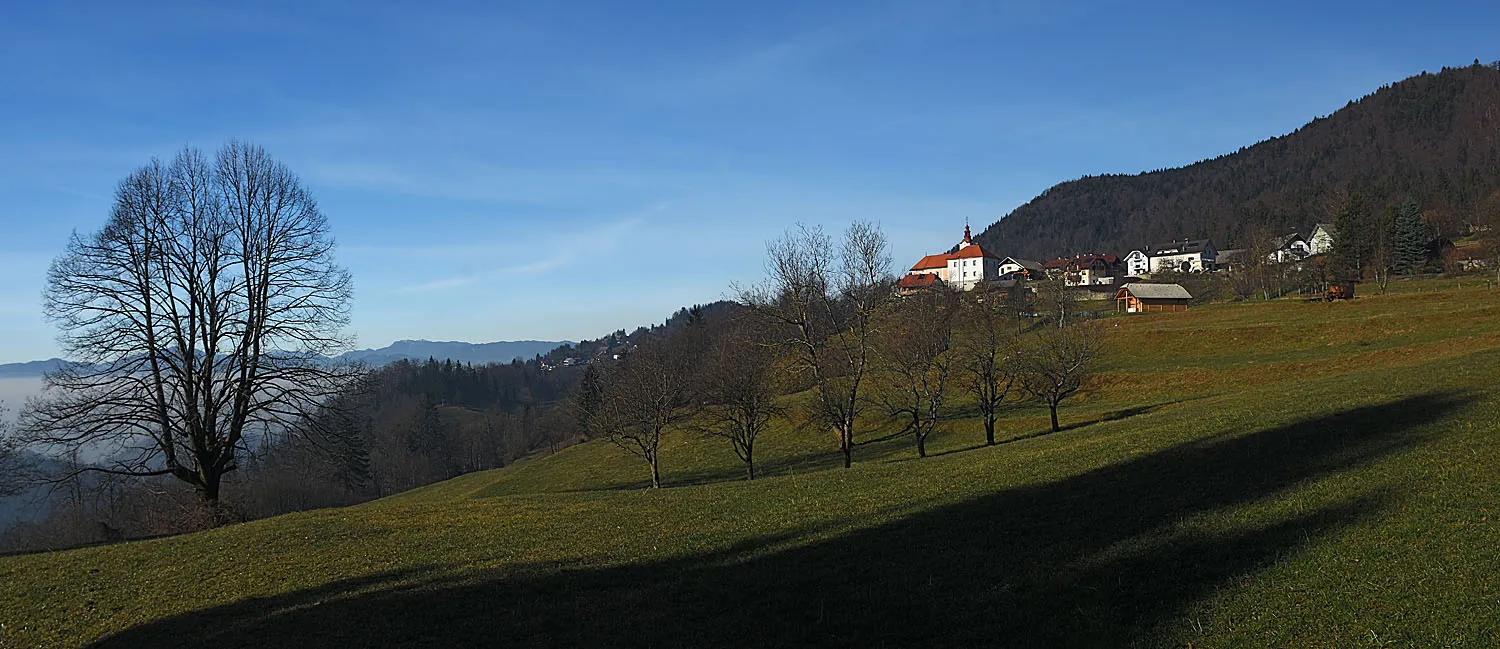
963 269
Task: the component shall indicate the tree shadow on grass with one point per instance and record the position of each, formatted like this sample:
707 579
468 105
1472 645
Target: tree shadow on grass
875 449
1097 559
1115 415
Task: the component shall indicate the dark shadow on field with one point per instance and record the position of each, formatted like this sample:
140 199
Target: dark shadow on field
1092 560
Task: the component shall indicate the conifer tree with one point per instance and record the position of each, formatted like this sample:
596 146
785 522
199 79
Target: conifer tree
1355 244
1411 238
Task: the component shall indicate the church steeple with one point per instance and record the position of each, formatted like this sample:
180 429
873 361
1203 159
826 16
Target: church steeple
968 240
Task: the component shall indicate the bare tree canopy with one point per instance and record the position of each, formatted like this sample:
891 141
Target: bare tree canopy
988 350
915 361
202 311
824 301
742 386
1054 364
651 390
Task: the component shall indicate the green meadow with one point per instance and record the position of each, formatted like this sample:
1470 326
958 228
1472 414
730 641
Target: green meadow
1287 474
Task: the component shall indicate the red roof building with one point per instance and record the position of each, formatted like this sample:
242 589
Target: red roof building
964 268
932 262
913 283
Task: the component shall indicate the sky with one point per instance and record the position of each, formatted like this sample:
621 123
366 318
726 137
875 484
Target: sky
560 170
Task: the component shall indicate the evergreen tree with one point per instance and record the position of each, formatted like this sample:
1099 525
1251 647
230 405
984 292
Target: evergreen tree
1356 240
590 397
1411 238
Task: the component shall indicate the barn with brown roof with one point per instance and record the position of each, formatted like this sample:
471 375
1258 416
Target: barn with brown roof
1148 298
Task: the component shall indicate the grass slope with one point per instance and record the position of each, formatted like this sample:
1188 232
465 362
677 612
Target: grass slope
1282 474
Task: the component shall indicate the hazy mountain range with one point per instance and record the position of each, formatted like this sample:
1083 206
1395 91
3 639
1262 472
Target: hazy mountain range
461 352
503 351
30 369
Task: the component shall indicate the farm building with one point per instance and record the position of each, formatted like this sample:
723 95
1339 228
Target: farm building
917 282
1145 298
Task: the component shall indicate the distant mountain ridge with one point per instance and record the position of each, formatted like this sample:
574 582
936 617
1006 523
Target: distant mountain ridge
503 351
460 352
1433 136
29 369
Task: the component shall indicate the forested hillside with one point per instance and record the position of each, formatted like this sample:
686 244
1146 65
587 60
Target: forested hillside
1433 136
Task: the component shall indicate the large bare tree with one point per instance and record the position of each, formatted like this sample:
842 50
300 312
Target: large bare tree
1056 360
913 350
200 314
651 390
743 389
988 352
1057 300
823 300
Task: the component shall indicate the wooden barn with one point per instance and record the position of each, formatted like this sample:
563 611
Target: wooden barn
1146 298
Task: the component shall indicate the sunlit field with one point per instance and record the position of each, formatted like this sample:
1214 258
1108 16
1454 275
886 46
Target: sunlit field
1262 474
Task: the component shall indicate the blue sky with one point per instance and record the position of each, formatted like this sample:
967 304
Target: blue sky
500 171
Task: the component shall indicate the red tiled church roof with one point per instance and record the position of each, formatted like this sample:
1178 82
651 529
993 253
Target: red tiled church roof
925 280
974 250
932 261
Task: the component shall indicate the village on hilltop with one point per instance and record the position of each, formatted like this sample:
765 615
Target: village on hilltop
1104 276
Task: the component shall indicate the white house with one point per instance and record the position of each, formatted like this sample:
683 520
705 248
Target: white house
1321 240
1289 248
1011 264
1137 263
1189 256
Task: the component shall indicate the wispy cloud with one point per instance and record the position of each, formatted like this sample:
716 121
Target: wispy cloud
599 240
489 183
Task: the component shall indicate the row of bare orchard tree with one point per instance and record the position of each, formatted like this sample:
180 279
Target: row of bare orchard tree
827 319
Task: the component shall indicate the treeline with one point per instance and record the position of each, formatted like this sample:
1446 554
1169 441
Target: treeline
1430 137
406 425
398 427
620 342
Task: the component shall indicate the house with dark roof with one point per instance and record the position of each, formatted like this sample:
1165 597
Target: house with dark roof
1187 255
1031 269
1137 297
1232 260
1289 248
1084 270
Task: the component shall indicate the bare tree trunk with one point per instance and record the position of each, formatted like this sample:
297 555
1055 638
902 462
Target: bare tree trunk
1052 405
989 429
209 494
921 445
655 474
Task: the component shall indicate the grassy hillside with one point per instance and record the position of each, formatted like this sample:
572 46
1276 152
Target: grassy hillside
1283 474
